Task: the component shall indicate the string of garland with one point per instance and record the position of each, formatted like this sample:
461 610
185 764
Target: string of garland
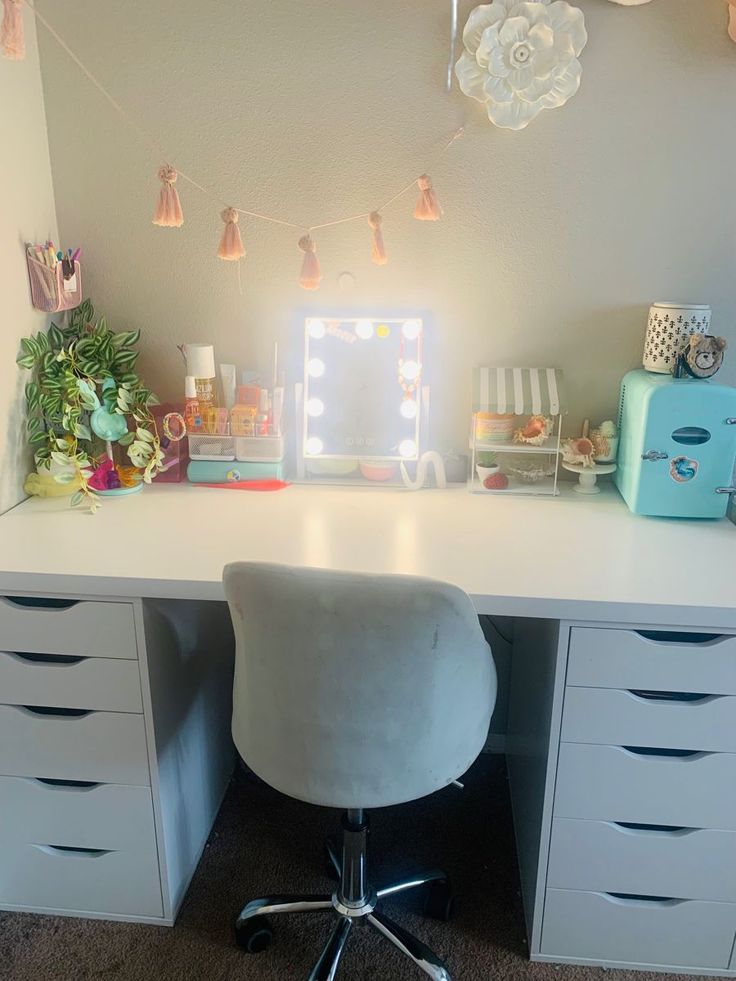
168 212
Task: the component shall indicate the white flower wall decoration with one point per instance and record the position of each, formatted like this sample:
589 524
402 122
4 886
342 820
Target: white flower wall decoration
521 58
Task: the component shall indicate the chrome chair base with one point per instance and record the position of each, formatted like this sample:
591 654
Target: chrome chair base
352 901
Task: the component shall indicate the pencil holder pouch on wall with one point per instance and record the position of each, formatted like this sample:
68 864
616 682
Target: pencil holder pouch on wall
55 289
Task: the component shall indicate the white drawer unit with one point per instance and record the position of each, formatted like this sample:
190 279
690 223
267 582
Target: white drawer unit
647 931
652 660
640 859
64 744
667 720
623 782
111 685
124 882
614 783
76 627
78 848
76 814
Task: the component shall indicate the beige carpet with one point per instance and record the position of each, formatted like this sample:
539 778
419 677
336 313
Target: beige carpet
263 842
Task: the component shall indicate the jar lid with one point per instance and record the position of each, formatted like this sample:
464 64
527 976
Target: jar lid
673 305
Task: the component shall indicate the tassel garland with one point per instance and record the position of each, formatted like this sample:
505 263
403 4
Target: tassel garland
311 274
12 38
168 209
231 244
378 253
427 207
732 19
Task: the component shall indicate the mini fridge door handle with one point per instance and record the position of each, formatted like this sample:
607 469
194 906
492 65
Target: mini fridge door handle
652 455
731 421
725 490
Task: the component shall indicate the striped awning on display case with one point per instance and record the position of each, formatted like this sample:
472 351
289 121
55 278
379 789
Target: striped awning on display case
521 391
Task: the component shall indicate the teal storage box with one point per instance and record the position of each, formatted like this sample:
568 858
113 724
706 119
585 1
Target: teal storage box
677 445
225 471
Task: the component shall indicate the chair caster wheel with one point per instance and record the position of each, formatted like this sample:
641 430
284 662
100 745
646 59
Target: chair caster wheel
254 934
439 900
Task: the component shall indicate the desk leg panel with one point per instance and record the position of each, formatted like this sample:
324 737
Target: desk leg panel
188 658
532 742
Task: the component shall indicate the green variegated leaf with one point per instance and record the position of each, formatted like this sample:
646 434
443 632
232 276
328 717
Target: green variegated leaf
56 337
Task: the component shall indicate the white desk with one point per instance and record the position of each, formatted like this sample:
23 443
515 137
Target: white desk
147 668
567 558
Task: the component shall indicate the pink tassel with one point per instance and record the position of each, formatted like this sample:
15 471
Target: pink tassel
311 274
378 254
427 207
732 19
231 244
12 37
168 210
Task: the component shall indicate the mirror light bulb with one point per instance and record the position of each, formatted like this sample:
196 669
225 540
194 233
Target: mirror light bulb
408 409
407 448
317 329
410 370
412 329
315 367
364 330
314 446
315 407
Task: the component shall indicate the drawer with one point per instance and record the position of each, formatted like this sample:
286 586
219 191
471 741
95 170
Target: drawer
70 682
645 860
659 660
672 720
79 879
88 629
78 815
666 932
612 783
109 747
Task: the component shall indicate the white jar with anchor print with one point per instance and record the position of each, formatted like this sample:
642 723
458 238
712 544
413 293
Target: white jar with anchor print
668 328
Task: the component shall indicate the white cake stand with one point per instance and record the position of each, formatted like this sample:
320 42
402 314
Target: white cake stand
588 476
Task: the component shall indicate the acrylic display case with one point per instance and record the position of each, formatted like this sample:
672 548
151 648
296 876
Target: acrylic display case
515 431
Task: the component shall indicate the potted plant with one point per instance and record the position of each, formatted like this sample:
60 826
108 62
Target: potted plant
84 394
489 472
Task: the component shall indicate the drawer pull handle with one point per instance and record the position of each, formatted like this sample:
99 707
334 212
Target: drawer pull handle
80 785
680 755
61 659
645 902
681 637
662 830
65 713
66 850
39 602
679 697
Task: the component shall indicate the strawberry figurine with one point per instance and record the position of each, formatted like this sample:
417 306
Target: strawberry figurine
496 481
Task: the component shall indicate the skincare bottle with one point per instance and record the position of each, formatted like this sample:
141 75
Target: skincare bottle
227 382
192 412
201 366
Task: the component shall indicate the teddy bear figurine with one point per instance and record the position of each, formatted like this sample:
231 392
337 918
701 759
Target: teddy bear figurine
702 357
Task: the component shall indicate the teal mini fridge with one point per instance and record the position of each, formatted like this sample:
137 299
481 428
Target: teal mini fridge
677 445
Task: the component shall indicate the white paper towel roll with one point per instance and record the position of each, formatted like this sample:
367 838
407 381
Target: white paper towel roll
200 360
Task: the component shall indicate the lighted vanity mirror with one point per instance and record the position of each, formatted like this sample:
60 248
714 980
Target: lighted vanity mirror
362 395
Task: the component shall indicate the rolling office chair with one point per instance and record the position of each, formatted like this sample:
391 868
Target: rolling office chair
355 691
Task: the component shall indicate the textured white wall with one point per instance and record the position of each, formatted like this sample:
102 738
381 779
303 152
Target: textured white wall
554 240
27 214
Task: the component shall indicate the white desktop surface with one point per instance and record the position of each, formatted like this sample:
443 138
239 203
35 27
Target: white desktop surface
566 558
